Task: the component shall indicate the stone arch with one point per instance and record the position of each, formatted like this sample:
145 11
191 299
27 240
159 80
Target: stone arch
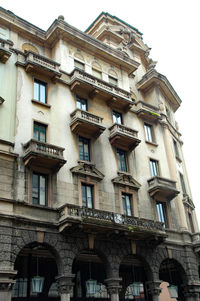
29 47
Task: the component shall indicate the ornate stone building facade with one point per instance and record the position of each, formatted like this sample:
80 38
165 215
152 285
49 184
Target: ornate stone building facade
95 201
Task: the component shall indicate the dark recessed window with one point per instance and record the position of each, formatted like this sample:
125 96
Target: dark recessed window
122 160
84 149
176 149
183 187
40 93
162 213
127 207
154 168
81 103
87 195
113 80
39 189
39 132
117 117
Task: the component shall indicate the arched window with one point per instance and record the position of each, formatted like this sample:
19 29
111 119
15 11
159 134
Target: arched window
96 70
26 47
112 77
79 61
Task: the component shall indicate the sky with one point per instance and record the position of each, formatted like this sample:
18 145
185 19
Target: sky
169 27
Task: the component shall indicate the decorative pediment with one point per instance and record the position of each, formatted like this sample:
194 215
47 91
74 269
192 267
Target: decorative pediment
187 201
125 179
87 169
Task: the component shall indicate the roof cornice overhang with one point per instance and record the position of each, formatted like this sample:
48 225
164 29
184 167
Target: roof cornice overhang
59 29
153 78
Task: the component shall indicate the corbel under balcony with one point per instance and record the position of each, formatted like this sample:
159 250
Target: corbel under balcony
152 79
43 155
123 137
162 189
114 96
87 169
35 63
147 111
86 124
5 52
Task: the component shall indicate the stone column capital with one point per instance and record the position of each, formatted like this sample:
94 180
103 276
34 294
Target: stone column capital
113 285
154 287
65 283
6 280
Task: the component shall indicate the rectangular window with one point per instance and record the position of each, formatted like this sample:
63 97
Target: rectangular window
84 149
191 225
81 103
162 213
183 187
87 195
39 189
126 200
122 160
154 168
149 132
97 73
176 149
79 65
117 117
40 91
39 132
113 80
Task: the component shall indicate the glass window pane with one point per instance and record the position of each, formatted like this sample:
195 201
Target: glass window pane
148 132
42 93
36 131
89 197
117 117
36 91
84 202
81 103
35 190
154 168
42 134
42 190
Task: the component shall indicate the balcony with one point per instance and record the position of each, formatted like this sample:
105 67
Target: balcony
162 189
154 79
35 63
114 96
123 137
99 221
5 52
147 111
40 154
86 124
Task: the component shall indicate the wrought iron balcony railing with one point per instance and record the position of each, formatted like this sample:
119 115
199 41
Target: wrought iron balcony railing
107 219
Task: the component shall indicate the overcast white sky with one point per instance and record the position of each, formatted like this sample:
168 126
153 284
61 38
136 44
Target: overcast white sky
170 27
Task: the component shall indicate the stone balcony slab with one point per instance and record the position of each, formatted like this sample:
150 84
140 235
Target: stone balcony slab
5 52
40 154
162 189
147 111
123 137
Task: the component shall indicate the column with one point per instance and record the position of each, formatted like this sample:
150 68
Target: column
173 173
65 285
192 291
113 288
6 284
154 289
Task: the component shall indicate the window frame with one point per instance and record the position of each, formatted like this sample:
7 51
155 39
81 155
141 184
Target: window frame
91 187
124 197
40 84
119 161
114 113
163 216
78 100
155 167
82 139
76 61
40 125
149 133
39 187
